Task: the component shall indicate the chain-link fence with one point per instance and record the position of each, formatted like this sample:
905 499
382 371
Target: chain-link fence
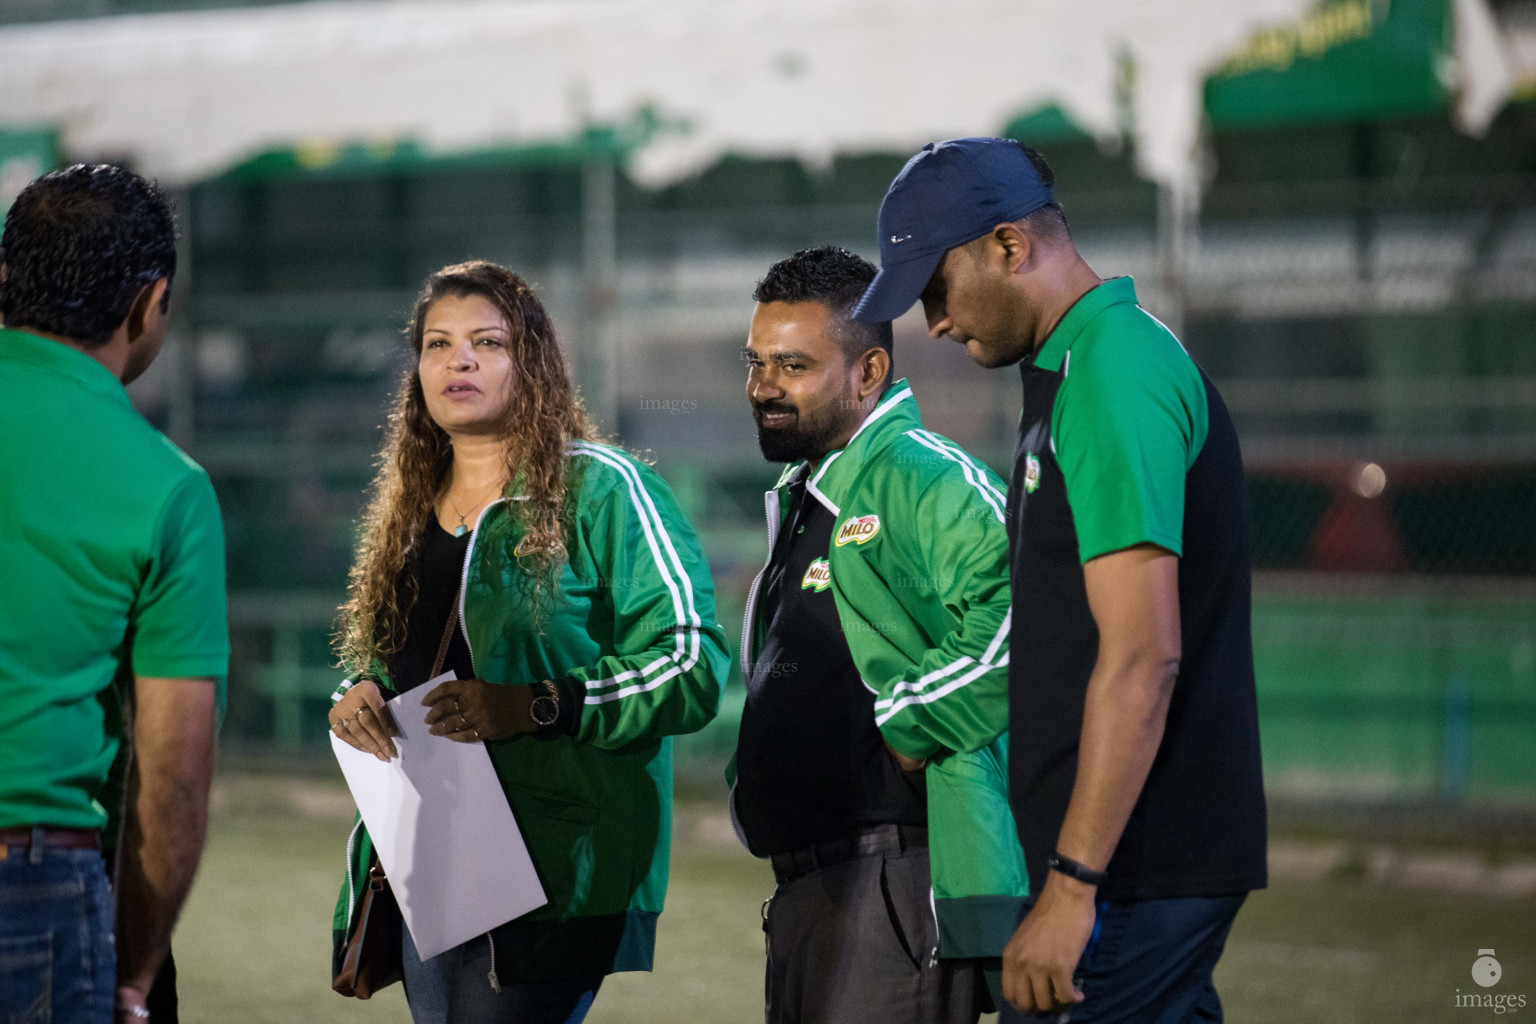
1372 338
1393 624
1395 628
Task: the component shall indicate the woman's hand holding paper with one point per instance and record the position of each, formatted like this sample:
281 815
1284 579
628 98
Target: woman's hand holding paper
471 710
361 720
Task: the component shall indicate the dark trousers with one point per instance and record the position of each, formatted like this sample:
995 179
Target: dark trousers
854 942
454 988
1150 962
57 960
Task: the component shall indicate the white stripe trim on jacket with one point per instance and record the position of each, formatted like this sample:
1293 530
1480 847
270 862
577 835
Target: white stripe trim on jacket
974 475
989 660
688 621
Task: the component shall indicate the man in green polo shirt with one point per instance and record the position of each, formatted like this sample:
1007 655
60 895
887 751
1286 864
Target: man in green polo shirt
1134 770
112 556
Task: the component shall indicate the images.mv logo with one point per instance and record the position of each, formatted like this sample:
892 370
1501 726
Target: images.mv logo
1487 971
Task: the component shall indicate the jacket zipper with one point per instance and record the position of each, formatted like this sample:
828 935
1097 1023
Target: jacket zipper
464 579
491 977
770 513
933 908
351 886
469 553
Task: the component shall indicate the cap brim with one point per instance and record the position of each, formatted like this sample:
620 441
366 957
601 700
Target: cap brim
896 288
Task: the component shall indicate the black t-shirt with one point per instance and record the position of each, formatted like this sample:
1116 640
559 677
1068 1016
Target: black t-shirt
441 569
527 951
811 764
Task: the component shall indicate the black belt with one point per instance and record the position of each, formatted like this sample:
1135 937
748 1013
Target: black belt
57 838
864 842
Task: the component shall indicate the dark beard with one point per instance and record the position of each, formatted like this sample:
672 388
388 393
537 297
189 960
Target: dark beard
807 439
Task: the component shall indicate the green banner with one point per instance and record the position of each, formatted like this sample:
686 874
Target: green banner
1347 60
25 154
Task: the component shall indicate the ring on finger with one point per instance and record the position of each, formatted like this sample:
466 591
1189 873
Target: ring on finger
463 723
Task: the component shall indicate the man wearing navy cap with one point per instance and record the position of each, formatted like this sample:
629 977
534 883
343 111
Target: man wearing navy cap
1134 768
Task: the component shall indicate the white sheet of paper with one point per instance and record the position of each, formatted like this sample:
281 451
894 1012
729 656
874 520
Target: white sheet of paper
454 855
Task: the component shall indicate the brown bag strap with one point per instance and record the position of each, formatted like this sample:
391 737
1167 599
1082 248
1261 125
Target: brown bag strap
442 648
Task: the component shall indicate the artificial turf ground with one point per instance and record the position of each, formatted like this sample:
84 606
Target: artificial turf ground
253 946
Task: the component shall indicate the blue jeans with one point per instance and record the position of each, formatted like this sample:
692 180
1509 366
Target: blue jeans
455 988
1150 962
58 961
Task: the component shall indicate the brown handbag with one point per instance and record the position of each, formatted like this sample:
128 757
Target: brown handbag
370 959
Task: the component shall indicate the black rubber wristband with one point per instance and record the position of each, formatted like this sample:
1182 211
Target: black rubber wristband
1072 869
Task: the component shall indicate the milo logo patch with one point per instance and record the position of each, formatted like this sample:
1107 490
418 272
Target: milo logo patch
858 530
1031 473
818 576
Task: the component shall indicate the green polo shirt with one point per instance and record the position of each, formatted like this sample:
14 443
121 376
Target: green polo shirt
1129 420
112 562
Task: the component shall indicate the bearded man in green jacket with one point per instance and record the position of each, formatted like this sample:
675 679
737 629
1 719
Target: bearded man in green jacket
871 765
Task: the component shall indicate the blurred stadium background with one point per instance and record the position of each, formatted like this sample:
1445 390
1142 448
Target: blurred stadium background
1341 226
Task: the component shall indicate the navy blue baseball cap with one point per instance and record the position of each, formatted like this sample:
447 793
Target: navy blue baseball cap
949 194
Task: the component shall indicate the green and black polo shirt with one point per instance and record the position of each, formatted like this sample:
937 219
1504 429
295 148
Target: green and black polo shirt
1124 441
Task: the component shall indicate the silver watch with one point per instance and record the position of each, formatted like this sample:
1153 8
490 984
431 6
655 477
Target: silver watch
545 709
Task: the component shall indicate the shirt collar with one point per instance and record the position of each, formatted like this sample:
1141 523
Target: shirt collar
1089 305
23 347
792 472
895 413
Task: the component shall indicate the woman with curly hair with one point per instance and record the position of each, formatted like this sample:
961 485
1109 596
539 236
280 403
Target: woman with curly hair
585 639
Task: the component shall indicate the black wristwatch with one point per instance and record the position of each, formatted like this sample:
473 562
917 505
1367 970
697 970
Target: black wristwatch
1072 869
545 709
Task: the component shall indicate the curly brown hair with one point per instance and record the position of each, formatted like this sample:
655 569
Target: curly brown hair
543 415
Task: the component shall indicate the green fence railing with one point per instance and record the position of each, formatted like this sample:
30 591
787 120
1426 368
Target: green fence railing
1368 689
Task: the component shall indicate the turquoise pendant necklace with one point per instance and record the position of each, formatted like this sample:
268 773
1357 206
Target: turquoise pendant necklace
463 528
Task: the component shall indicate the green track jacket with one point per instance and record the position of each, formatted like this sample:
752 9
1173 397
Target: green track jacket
634 629
919 569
